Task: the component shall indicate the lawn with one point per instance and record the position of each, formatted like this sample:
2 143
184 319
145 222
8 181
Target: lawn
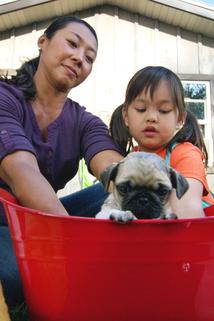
19 313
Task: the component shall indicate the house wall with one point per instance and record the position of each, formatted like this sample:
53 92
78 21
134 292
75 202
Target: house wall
127 42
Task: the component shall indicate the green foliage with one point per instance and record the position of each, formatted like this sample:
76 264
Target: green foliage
19 313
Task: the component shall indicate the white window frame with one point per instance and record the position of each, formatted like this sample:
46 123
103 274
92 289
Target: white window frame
207 116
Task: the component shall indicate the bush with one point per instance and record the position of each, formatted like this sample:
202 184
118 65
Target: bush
19 313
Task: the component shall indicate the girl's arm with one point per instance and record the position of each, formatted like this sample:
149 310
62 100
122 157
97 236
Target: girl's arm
21 172
102 160
190 205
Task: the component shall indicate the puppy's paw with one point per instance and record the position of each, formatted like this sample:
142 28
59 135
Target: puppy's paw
116 215
121 216
170 216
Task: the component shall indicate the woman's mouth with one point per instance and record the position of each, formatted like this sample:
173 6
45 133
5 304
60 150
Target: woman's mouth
71 71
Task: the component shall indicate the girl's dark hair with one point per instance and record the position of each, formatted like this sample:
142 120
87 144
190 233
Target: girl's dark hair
149 78
24 75
190 132
119 131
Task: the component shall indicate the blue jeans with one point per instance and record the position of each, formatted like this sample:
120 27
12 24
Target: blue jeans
86 202
9 275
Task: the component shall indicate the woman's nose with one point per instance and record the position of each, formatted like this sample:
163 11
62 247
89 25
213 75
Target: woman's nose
77 56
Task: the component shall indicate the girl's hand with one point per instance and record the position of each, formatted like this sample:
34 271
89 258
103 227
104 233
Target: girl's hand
190 205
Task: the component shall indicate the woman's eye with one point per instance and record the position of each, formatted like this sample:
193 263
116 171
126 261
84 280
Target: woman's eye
72 43
89 59
124 188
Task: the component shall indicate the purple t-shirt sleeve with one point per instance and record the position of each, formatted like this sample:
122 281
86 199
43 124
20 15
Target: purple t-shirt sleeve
12 134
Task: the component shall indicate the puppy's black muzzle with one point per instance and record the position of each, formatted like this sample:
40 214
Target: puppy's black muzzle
144 204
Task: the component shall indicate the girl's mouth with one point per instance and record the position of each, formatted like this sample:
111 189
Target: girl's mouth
150 131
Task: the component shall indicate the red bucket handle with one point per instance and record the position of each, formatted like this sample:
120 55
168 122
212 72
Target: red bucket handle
6 196
209 211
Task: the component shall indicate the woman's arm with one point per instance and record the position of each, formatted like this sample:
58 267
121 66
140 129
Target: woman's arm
21 172
190 205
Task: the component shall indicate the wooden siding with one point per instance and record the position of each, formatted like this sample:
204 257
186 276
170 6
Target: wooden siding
127 42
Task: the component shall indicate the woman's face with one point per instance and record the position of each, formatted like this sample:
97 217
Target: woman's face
152 122
67 58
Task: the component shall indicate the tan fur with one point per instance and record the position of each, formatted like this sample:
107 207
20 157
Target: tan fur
4 315
140 170
146 171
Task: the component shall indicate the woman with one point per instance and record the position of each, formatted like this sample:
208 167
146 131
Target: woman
43 134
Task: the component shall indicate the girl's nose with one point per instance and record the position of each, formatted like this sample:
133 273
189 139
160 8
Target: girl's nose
152 116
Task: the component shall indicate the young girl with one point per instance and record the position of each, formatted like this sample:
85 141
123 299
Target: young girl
154 115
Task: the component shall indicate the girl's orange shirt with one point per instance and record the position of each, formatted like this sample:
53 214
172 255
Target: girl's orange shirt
188 160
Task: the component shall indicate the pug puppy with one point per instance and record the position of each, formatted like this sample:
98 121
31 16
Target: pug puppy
142 184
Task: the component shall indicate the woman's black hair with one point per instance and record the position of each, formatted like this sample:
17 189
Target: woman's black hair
148 78
63 21
24 75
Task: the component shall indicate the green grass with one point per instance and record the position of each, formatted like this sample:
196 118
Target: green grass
19 313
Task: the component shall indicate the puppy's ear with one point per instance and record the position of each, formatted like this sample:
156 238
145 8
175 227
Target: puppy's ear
108 175
179 182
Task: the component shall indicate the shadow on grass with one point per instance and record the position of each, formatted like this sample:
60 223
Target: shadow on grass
19 313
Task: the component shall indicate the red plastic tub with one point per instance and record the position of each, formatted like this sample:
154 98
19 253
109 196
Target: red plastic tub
82 269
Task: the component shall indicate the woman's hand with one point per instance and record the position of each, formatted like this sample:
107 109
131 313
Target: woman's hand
21 172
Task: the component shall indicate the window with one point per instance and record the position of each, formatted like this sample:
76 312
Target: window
197 99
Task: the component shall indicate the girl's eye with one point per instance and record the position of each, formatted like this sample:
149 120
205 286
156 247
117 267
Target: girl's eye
165 111
140 110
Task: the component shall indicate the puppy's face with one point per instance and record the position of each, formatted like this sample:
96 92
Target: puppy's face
143 183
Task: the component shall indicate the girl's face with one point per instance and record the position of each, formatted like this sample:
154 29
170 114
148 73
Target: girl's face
67 58
152 122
